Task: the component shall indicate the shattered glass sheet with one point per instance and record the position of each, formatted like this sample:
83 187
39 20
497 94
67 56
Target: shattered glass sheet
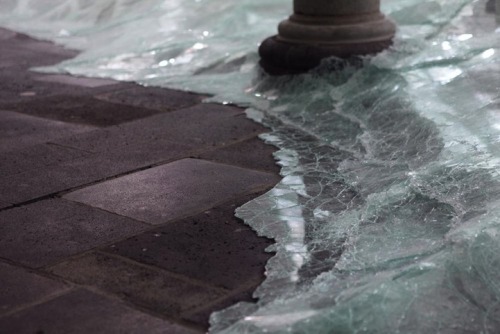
387 219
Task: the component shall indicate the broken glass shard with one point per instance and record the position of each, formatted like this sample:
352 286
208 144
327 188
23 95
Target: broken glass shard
387 219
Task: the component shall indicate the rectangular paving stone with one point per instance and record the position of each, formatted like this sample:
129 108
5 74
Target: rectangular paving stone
36 157
171 191
18 131
154 289
4 205
49 231
252 153
83 312
153 98
80 110
49 180
201 126
6 34
214 247
24 52
21 288
40 47
85 169
17 85
76 81
201 315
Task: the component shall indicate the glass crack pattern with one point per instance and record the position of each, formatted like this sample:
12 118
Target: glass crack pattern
387 219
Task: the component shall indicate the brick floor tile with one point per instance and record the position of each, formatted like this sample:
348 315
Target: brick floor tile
83 312
21 288
171 191
49 231
147 287
214 247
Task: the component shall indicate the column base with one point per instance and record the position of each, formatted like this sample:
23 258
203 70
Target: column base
281 57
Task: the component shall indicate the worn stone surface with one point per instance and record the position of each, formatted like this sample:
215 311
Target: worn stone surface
22 52
18 131
150 288
78 168
201 315
202 126
18 86
4 205
75 81
171 191
50 180
48 231
6 34
85 312
23 57
214 247
162 272
250 153
35 157
153 98
21 287
81 110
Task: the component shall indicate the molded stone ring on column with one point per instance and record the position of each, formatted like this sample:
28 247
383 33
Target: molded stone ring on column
320 29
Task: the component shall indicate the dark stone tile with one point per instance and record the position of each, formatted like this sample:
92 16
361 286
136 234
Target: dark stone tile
49 180
6 34
35 157
201 126
18 86
150 288
201 315
41 48
21 287
138 155
214 247
18 131
85 312
76 81
153 98
80 110
83 170
24 53
4 205
49 231
171 191
252 153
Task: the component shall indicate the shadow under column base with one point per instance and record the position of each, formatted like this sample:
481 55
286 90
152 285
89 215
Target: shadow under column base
280 57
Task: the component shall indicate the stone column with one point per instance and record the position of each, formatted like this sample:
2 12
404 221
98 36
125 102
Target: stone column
323 28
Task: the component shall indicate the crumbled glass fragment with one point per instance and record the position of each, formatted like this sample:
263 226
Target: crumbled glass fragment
387 219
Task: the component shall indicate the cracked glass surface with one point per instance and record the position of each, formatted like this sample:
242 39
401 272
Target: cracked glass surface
387 219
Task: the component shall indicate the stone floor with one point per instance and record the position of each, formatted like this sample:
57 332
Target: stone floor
117 202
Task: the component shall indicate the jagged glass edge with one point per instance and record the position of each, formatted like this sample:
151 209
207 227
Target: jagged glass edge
386 224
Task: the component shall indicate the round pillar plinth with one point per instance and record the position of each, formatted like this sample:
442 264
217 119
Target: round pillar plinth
323 28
